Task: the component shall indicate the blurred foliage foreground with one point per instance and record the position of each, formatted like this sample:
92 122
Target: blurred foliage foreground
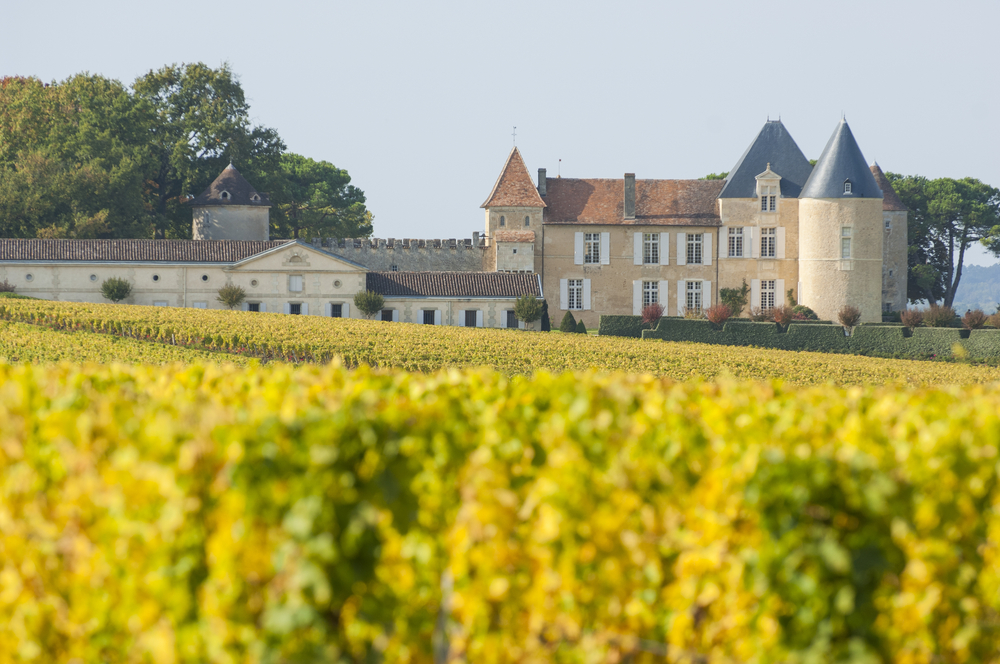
318 514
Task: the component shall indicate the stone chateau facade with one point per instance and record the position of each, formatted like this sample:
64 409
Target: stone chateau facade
832 234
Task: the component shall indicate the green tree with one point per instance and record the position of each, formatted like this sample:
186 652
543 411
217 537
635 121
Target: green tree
546 325
231 296
568 323
717 176
528 309
735 298
316 198
369 303
946 217
116 289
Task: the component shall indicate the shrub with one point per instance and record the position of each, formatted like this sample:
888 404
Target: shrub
116 289
231 296
546 324
651 314
937 316
974 320
568 323
718 314
790 296
581 328
911 318
783 315
994 320
759 315
735 298
693 313
7 287
849 316
802 312
369 303
528 309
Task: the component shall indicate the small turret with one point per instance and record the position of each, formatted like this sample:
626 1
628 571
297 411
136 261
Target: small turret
514 204
230 209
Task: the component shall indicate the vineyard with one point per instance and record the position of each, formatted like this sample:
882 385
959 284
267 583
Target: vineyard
205 513
428 348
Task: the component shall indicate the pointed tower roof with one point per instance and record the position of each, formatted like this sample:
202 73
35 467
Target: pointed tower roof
841 161
772 145
230 188
514 187
890 200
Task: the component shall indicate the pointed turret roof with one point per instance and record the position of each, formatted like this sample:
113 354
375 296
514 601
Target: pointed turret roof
238 190
841 161
772 145
890 200
514 187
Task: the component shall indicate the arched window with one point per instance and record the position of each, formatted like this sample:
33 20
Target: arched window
527 221
224 195
255 198
503 221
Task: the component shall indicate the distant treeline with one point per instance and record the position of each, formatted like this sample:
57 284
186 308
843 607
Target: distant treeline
89 157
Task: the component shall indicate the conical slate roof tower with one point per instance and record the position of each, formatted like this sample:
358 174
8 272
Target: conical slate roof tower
774 146
841 171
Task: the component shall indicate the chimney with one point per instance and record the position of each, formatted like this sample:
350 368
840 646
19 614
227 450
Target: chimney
630 195
541 181
475 239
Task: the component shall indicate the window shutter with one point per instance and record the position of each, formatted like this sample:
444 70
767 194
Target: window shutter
577 249
798 292
437 316
246 306
748 240
305 308
637 249
681 301
503 319
706 294
346 311
779 292
662 295
327 309
586 294
479 318
724 234
605 248
564 294
520 324
395 315
461 318
288 308
263 307
706 248
637 297
682 249
779 249
754 293
664 248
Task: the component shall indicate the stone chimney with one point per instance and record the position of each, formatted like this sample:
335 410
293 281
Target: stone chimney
630 195
475 239
541 181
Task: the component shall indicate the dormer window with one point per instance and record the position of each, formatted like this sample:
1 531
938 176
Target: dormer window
255 198
768 199
847 187
224 195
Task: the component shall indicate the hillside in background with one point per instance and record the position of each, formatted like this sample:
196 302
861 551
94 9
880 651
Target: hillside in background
979 289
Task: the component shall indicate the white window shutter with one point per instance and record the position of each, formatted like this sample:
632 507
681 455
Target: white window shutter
706 294
577 249
748 240
346 311
479 318
461 318
305 308
661 294
586 294
327 309
564 294
637 297
798 292
681 302
395 315
706 248
288 308
246 306
437 316
637 248
682 249
263 307
779 292
779 249
605 248
664 248
724 234
503 319
755 292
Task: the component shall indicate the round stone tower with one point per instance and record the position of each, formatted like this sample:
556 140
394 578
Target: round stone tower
840 232
230 209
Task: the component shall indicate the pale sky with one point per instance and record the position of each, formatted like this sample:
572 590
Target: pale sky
417 100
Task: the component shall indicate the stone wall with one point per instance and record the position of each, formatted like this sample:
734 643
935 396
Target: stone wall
230 222
409 255
894 259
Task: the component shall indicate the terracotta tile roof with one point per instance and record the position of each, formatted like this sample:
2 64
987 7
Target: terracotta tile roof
514 187
454 284
173 251
890 199
240 191
514 236
657 202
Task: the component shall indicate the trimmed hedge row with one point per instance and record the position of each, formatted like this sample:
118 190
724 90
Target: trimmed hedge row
879 339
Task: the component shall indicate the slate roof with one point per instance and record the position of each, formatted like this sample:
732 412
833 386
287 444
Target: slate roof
171 251
772 145
240 191
514 187
454 284
890 200
841 160
657 202
514 236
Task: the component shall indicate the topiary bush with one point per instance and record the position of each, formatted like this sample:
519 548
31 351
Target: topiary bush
581 328
974 319
116 289
568 323
911 318
938 316
802 312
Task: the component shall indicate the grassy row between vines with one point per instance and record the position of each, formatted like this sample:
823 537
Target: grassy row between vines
286 514
428 348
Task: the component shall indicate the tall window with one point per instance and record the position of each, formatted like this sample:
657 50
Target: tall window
694 296
768 237
650 293
576 293
295 283
768 199
470 317
650 248
511 319
387 315
767 294
845 242
527 221
428 317
591 247
503 221
736 242
694 248
847 186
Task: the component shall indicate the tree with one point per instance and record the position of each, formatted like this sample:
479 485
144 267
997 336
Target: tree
116 289
568 323
651 314
231 296
717 176
546 324
735 298
317 198
580 327
369 303
946 217
528 309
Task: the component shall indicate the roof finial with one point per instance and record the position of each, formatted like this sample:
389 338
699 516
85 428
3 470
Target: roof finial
768 165
515 136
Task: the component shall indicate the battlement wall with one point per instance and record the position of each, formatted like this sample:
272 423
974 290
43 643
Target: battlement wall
408 254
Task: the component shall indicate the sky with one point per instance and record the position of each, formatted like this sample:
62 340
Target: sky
418 100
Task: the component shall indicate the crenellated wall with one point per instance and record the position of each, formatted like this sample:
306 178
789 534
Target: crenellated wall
410 255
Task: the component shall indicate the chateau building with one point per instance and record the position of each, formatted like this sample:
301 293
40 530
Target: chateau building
826 235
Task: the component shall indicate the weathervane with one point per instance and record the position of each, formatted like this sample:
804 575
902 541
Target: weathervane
515 135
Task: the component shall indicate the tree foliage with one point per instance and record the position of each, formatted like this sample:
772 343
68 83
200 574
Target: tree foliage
369 303
116 289
528 309
735 298
568 323
317 200
231 296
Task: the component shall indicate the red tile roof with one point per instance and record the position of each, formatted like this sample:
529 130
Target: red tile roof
454 284
514 187
514 236
173 251
890 199
657 202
